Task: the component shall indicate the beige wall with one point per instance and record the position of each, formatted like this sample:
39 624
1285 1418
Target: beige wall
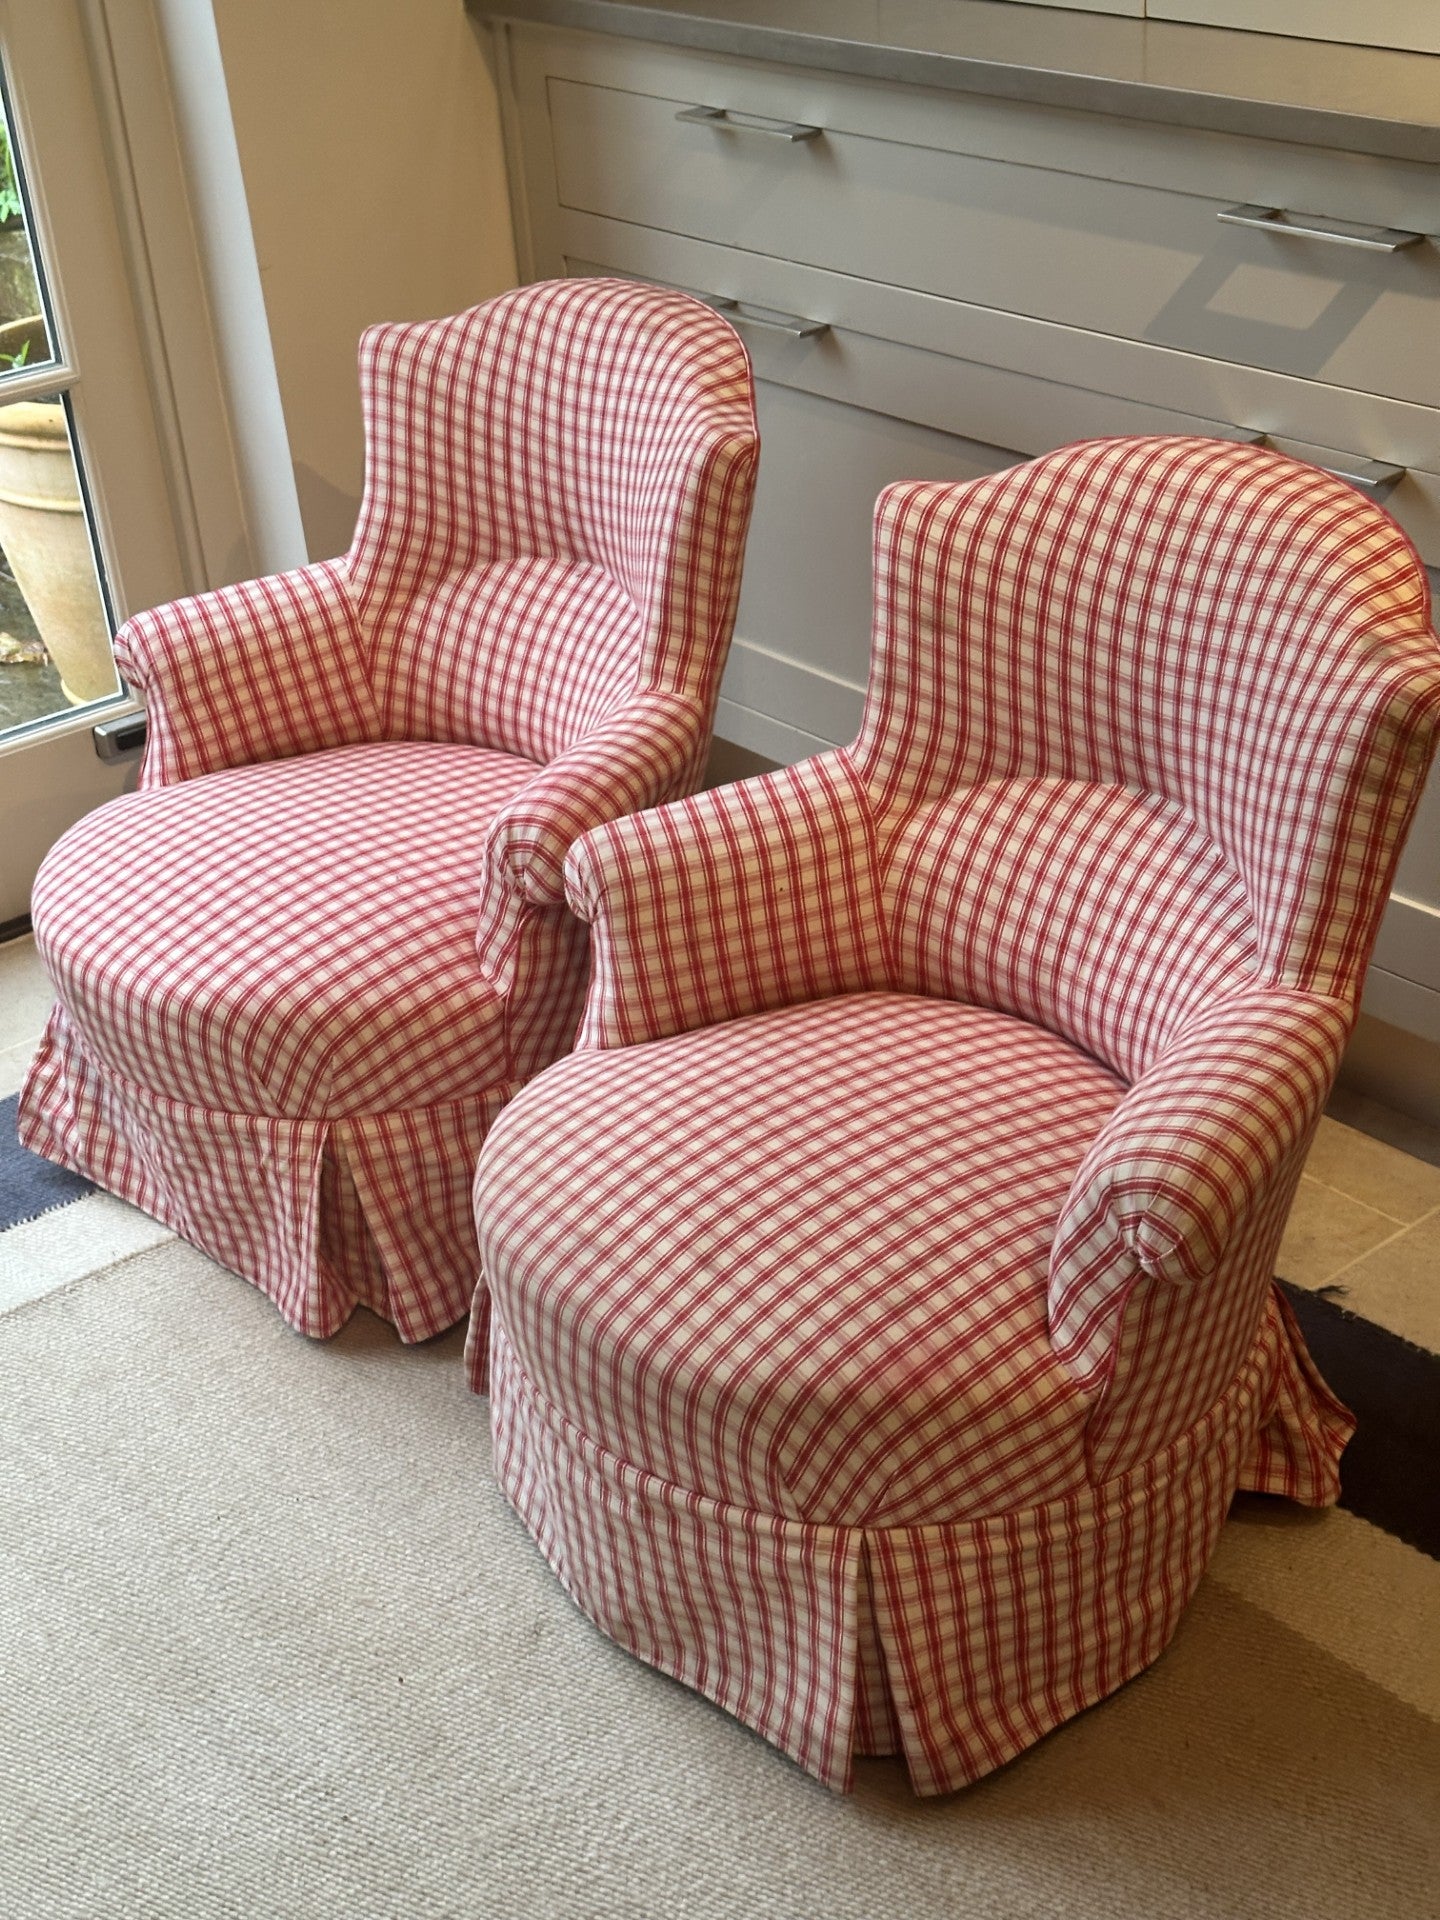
369 137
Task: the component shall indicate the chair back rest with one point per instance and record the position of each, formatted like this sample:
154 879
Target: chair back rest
1101 913
557 489
1234 648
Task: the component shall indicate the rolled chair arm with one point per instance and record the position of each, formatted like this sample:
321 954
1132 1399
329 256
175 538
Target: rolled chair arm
649 751
254 672
1181 1166
746 897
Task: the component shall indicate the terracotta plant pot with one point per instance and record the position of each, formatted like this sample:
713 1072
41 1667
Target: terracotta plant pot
45 537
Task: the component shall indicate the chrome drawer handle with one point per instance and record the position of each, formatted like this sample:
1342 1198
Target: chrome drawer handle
792 130
1277 220
1374 478
743 314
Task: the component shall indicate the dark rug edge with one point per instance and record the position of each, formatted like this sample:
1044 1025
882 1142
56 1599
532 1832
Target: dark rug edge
1390 1474
29 1186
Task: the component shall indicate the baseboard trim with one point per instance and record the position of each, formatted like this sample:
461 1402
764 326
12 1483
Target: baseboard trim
784 708
761 734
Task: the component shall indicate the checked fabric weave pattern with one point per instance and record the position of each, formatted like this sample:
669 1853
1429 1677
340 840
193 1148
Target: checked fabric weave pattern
881 1293
303 967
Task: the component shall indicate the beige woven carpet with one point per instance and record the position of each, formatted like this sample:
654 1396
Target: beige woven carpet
273 1645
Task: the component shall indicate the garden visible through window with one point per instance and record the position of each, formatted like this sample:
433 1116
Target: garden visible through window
54 630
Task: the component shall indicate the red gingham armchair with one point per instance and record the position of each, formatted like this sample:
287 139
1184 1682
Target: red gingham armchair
882 1302
301 970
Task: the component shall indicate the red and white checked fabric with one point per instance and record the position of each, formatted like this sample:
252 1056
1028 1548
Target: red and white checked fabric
1205 623
958 1645
301 970
832 1306
882 1300
743 898
1197 1149
555 515
259 671
1102 913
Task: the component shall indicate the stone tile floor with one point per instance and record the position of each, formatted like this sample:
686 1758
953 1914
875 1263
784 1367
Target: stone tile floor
1366 1222
1366 1227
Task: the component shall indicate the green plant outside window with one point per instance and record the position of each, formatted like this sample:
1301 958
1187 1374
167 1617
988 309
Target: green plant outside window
10 205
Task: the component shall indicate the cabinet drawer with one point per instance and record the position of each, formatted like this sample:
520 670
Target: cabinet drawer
1145 262
1005 381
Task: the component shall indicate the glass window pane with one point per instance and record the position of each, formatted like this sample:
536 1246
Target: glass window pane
25 337
54 629
54 625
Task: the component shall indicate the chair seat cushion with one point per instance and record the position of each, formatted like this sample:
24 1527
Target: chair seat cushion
293 938
797 1262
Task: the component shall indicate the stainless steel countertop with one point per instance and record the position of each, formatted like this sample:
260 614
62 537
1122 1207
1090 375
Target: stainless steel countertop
1360 99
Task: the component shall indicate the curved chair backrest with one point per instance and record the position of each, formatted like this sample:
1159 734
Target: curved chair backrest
1205 655
557 487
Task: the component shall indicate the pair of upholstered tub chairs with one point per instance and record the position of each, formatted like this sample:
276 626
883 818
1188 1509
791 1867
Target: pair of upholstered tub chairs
877 1302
